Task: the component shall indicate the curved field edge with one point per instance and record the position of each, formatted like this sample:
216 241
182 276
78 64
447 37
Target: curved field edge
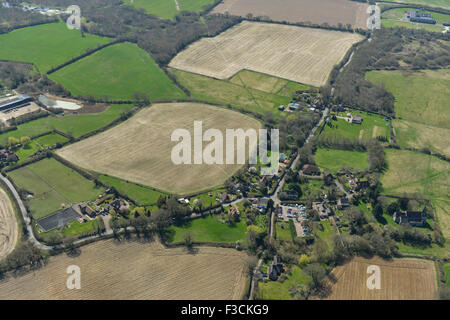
142 148
9 228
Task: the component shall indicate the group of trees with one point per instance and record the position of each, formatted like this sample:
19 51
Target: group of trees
14 17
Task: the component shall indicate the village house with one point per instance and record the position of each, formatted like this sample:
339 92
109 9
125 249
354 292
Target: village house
414 218
342 203
262 205
357 119
321 209
8 156
275 269
310 170
234 211
87 210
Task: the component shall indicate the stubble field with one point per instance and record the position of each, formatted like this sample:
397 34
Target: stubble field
401 279
8 226
315 11
134 270
298 54
139 150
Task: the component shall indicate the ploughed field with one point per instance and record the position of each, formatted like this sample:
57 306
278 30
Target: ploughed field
332 12
134 270
294 53
401 279
9 232
139 149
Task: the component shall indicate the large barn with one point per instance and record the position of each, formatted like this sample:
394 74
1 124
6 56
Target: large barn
15 101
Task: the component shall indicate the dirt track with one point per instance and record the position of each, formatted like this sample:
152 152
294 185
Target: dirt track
8 226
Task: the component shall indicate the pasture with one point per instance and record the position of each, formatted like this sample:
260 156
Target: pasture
298 54
75 125
140 194
47 45
209 229
227 93
168 9
132 270
401 279
418 135
332 12
332 159
372 127
432 3
53 186
9 229
142 148
414 172
117 72
420 96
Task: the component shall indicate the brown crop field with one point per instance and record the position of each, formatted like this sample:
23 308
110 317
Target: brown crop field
332 12
9 232
134 270
401 279
298 54
139 149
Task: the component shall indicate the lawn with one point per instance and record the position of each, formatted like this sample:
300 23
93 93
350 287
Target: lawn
414 172
327 233
166 8
227 93
433 3
283 231
332 159
266 83
46 45
76 125
372 126
420 96
53 186
210 229
50 140
274 290
117 72
76 228
144 196
410 134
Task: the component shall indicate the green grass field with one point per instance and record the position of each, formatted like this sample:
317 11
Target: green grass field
53 185
414 172
142 195
210 229
167 8
372 126
432 3
420 96
274 290
46 45
50 140
267 83
76 125
447 273
392 18
283 232
332 159
228 93
117 72
417 135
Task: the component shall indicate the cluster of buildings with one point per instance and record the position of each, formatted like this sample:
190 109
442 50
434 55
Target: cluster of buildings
13 102
419 16
8 156
413 218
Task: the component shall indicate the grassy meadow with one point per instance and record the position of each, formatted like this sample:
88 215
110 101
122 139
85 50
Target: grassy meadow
47 45
432 3
53 186
392 18
117 72
332 159
76 125
414 172
167 8
228 93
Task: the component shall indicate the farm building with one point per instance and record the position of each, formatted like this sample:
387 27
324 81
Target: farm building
85 209
357 119
422 17
13 102
58 219
310 170
414 218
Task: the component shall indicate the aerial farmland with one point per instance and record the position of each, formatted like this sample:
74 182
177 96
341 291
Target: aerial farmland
302 55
